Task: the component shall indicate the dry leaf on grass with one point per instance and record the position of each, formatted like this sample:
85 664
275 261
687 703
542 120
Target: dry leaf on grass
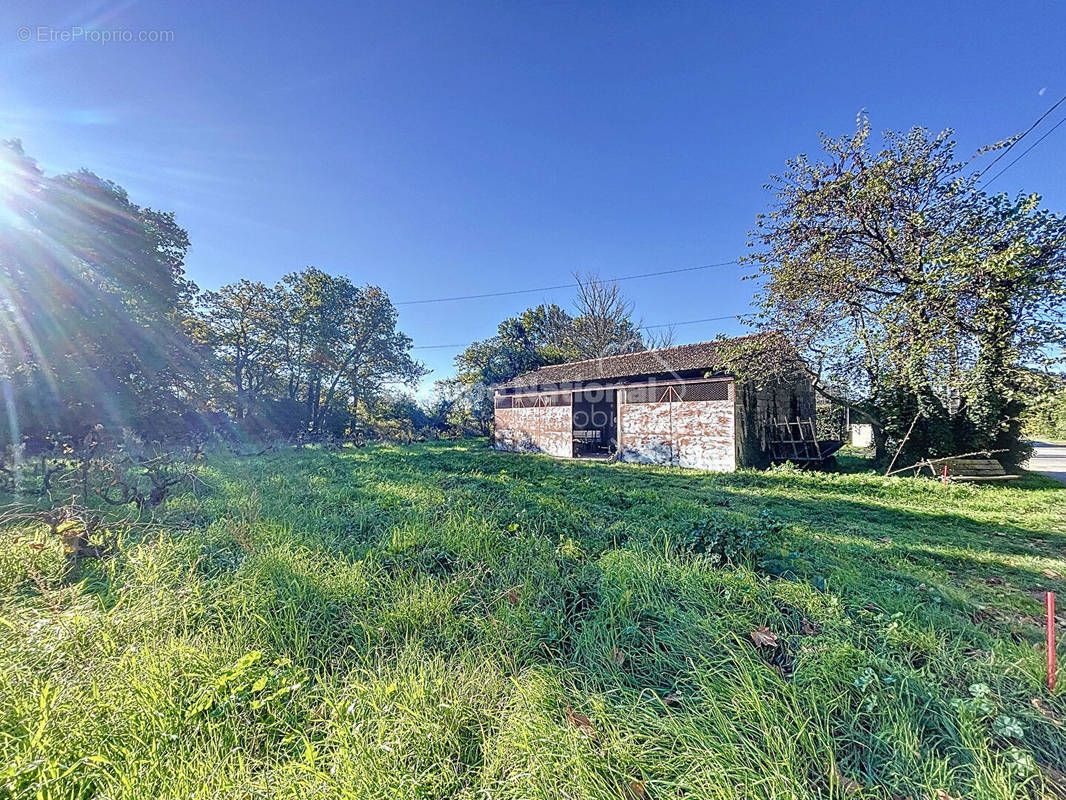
636 791
764 637
617 656
672 699
848 785
581 722
808 628
942 795
513 596
1039 704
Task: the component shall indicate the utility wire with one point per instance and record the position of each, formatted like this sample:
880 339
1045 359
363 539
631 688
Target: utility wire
639 327
688 322
565 285
1027 132
1024 153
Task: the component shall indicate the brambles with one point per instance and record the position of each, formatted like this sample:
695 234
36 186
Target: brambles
120 472
144 481
84 533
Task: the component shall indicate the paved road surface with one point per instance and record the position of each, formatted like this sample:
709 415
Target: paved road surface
1049 458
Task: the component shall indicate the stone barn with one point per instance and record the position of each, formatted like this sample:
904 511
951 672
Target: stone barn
673 406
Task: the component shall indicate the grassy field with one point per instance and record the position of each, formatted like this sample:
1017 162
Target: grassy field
444 621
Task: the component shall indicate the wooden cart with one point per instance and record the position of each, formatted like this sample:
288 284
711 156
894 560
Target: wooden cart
797 441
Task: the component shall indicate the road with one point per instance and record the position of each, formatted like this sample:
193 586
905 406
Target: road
1049 458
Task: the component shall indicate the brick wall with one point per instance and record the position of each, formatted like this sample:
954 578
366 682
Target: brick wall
546 429
695 434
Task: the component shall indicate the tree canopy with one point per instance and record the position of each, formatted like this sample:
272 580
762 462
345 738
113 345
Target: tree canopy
100 326
915 297
92 289
305 352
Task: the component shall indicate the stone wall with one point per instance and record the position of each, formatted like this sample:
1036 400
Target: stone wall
545 429
695 434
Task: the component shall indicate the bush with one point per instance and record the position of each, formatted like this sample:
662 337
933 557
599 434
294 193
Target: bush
722 540
1046 416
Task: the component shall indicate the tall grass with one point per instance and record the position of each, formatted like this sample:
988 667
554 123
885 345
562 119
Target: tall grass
443 621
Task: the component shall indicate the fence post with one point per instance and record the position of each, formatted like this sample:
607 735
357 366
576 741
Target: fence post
1049 607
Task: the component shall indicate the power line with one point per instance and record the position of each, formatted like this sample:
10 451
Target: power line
639 327
689 322
1024 153
564 285
1010 147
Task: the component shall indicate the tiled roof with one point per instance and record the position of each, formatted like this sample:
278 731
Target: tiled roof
687 357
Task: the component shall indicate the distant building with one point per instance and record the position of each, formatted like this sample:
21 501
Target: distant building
861 434
672 406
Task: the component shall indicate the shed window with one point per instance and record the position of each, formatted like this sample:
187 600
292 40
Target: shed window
712 390
560 399
504 401
679 392
645 394
534 400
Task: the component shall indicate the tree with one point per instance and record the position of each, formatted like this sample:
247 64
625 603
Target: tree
894 275
344 336
604 323
656 338
303 354
242 322
94 293
375 353
1045 416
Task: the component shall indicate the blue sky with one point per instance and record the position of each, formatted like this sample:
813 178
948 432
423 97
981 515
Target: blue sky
442 149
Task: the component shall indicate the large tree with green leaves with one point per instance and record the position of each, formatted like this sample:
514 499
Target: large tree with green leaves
92 298
898 278
345 344
310 349
242 323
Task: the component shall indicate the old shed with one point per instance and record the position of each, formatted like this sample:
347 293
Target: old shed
673 406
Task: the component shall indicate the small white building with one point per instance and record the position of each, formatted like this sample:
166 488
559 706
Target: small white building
861 434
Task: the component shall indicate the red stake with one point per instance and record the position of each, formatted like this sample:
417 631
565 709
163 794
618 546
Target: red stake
944 479
1049 607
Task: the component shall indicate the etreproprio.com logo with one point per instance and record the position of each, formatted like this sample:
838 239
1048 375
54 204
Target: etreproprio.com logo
79 33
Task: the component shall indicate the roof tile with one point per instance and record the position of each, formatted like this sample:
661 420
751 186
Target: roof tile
686 357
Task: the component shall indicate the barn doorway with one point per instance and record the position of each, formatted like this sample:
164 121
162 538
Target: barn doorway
595 423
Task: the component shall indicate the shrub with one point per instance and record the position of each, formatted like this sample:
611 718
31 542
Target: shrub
724 541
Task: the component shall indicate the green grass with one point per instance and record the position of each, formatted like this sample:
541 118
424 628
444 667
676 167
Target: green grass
439 621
